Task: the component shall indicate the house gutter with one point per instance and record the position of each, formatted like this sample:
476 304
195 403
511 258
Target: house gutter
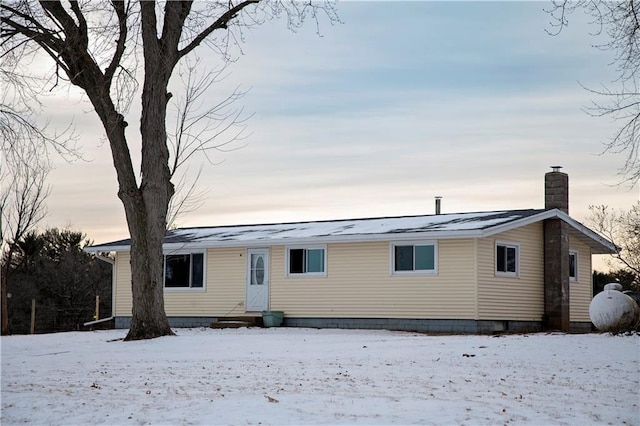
105 259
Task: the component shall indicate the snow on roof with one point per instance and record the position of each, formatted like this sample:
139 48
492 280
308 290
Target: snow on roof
427 226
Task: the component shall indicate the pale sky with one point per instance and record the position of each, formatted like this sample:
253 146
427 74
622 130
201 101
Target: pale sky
403 101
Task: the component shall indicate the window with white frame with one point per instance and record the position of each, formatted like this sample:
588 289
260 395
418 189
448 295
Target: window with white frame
419 257
573 266
507 259
184 271
307 261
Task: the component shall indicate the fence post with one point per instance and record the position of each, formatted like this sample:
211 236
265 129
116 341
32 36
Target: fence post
97 316
33 316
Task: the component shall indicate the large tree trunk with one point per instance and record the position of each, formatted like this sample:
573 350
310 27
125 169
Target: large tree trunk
148 316
145 207
147 211
147 216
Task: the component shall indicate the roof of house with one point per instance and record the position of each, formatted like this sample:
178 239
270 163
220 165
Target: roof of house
441 226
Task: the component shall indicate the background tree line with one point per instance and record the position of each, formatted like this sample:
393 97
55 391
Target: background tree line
52 268
621 227
627 279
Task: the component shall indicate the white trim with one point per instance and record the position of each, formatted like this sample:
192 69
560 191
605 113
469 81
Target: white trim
266 252
576 263
112 262
202 289
306 247
507 244
97 321
392 257
105 259
558 214
323 240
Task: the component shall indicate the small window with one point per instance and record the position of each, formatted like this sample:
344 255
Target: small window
306 261
185 270
573 266
507 257
419 257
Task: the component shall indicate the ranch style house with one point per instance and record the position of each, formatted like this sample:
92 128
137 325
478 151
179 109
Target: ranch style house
483 272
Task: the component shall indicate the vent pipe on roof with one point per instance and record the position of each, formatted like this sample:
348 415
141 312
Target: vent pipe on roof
438 203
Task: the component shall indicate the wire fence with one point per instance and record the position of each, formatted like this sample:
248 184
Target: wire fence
36 317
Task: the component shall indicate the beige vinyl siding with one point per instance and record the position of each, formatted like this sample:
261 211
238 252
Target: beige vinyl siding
224 291
581 291
123 285
512 298
359 284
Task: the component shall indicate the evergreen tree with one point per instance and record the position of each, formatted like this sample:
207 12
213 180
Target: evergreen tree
52 268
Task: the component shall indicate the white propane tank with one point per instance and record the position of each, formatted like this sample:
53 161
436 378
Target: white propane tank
612 309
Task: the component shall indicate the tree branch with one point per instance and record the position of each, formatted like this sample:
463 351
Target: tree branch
221 23
121 14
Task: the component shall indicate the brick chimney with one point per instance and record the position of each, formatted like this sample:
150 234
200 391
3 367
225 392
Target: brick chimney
556 252
556 190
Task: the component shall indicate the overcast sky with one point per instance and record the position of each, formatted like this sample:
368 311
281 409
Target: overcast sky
399 103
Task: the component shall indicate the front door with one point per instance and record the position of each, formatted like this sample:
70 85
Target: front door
257 280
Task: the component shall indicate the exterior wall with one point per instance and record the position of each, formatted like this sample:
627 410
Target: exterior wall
462 326
581 291
512 298
123 285
175 322
224 291
359 284
223 295
421 325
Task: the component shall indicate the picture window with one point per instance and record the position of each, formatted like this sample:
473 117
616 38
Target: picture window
185 270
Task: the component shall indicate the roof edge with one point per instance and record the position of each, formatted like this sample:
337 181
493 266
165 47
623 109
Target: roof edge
600 245
606 246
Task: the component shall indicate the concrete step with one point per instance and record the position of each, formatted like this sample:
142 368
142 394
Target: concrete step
237 322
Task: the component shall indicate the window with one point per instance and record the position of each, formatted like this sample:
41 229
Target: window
184 270
413 258
507 258
306 261
573 266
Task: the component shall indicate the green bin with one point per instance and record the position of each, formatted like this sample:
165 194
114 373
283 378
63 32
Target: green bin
272 318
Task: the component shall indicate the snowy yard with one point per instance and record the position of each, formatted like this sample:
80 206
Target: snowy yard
305 376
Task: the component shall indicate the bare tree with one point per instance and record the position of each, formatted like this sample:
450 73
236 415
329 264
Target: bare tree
201 128
620 22
22 206
186 199
21 132
93 46
621 227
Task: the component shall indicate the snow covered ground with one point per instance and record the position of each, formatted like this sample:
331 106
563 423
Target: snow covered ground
305 376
